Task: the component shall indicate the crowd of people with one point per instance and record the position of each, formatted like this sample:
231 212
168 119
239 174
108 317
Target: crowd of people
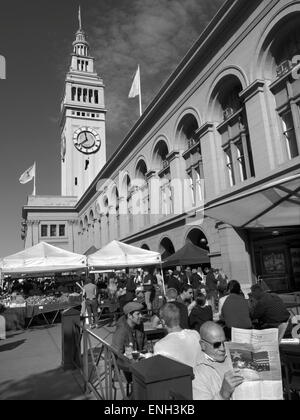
197 315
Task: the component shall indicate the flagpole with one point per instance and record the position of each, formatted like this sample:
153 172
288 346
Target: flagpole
34 183
140 95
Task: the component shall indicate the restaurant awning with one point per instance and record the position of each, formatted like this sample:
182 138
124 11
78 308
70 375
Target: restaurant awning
272 204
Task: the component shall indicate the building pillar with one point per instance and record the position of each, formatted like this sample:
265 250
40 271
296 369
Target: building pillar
213 161
123 217
235 255
178 177
154 196
97 233
112 223
35 232
29 236
259 127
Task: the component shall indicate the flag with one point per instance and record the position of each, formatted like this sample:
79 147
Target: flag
136 89
28 175
136 85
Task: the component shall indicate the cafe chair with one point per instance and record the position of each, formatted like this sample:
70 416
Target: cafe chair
291 374
282 329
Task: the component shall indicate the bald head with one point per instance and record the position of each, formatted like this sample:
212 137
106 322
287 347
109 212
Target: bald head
210 330
212 341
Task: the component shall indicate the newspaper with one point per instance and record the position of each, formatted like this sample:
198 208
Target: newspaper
255 353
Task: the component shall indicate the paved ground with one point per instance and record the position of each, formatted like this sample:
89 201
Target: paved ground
30 367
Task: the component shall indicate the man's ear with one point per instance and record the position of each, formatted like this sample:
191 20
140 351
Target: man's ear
202 345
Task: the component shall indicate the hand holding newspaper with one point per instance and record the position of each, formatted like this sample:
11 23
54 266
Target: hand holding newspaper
255 353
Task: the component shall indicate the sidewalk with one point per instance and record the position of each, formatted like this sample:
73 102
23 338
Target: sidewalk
30 367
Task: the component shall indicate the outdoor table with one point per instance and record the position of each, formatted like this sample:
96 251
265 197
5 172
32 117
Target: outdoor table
33 311
152 333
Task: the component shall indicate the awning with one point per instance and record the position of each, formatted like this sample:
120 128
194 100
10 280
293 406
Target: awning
273 204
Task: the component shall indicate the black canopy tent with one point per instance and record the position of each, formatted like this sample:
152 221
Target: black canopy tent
189 254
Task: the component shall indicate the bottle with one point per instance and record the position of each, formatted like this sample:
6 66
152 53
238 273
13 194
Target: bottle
128 350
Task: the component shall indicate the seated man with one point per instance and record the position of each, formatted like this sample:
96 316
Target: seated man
267 308
214 379
178 344
130 329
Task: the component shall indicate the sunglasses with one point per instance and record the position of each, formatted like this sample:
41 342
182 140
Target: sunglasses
215 345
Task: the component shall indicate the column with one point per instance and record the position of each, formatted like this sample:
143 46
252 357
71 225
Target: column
213 160
261 136
29 236
154 195
177 169
35 232
123 217
236 259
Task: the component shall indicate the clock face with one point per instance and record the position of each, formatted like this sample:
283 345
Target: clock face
86 140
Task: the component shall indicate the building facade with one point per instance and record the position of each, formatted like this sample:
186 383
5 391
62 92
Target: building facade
223 129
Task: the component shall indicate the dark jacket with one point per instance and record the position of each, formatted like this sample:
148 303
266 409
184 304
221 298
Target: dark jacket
199 315
211 281
270 311
196 281
174 283
235 312
125 335
184 315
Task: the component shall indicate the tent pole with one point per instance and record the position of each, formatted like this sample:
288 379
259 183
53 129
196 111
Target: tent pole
163 280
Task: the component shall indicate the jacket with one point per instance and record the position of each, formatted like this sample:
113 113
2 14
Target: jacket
125 335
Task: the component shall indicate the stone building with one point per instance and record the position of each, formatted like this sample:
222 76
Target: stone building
213 159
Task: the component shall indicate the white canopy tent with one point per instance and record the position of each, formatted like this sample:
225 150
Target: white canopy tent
42 258
119 255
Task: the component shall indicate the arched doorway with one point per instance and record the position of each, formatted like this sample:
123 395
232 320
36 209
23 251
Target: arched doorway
197 237
166 248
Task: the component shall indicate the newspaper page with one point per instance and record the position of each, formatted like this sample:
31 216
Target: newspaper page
255 353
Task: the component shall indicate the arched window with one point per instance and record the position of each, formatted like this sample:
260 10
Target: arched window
283 46
233 128
166 248
188 138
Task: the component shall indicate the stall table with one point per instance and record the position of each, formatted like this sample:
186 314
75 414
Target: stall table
18 317
33 311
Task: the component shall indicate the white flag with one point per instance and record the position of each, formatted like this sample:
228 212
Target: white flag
136 85
28 175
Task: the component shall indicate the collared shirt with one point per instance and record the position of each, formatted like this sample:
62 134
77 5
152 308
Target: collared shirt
209 376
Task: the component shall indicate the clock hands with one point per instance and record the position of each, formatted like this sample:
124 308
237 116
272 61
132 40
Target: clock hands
86 139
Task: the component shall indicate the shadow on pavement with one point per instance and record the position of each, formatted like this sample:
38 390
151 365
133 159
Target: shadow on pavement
55 384
11 346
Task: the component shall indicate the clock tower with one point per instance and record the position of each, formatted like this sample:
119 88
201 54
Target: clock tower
83 142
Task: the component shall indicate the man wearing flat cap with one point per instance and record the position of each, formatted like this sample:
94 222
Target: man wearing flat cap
130 329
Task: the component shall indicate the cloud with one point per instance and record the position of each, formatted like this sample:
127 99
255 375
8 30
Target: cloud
156 34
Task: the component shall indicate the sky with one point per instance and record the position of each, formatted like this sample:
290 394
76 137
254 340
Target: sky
36 40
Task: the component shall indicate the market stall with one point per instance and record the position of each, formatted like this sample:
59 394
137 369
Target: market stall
117 255
45 264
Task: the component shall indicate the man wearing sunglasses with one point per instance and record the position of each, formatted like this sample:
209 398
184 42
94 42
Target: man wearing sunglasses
214 378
